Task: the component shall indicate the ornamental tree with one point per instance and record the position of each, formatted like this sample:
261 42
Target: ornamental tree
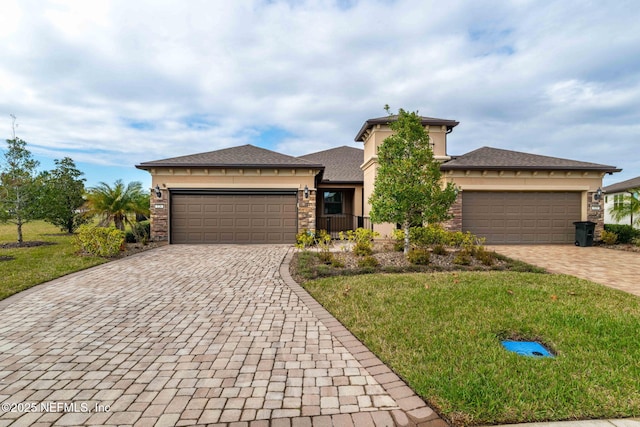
19 188
63 196
408 189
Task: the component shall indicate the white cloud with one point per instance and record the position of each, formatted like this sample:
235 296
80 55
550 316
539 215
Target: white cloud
143 80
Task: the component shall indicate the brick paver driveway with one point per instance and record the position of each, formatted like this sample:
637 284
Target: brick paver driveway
609 267
186 335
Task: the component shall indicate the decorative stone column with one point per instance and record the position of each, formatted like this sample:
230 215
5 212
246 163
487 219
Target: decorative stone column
455 223
306 211
595 213
159 216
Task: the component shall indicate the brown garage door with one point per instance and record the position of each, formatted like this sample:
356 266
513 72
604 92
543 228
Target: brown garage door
521 217
233 218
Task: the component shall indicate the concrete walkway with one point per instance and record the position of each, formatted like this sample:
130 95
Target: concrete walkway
190 335
609 267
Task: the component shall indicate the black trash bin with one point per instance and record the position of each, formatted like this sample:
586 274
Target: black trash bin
584 233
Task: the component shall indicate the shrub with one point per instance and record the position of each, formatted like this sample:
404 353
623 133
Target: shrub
363 249
363 239
439 250
636 241
626 233
484 256
326 257
368 261
419 256
305 238
609 237
463 257
432 234
139 233
100 241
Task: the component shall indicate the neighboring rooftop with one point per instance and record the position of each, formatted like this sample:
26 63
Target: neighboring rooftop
618 187
431 121
341 165
244 156
487 158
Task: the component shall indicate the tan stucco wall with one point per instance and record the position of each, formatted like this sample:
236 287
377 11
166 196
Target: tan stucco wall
233 178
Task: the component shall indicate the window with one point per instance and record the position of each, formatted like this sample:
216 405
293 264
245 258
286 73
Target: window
618 201
332 202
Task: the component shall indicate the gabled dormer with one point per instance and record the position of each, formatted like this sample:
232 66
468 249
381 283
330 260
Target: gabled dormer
374 132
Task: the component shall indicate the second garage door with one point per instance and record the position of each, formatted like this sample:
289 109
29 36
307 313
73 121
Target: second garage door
521 217
233 218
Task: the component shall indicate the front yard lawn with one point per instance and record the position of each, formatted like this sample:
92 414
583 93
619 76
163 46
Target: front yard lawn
22 268
441 332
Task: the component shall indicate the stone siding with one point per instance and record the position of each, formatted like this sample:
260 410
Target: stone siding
455 223
596 215
159 208
307 211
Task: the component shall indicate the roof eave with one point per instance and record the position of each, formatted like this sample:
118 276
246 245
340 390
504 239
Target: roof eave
450 124
530 168
146 166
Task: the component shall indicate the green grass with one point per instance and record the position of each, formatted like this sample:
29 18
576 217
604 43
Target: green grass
441 332
35 265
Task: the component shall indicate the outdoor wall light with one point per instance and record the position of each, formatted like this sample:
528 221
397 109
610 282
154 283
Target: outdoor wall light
598 194
158 192
306 192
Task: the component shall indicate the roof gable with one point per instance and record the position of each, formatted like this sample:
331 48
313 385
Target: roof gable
244 156
489 158
431 121
342 164
618 187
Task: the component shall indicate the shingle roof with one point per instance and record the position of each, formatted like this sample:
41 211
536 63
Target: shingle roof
341 164
245 156
432 121
618 187
487 158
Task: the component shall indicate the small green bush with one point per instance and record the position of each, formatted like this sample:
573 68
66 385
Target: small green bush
609 237
636 241
305 238
326 257
368 261
419 256
363 249
626 233
139 233
362 239
484 256
439 250
100 241
463 257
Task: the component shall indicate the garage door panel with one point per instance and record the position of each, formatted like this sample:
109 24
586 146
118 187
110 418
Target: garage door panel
237 218
521 217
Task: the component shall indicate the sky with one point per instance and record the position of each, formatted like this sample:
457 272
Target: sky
115 83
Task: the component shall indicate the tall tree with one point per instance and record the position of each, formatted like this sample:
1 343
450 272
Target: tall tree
629 208
408 188
18 186
63 196
117 202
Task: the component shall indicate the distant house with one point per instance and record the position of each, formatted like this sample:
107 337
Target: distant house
614 195
248 194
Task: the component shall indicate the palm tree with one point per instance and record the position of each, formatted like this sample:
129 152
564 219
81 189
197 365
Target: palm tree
117 202
630 207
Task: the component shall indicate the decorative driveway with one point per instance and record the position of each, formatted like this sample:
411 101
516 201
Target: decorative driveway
190 335
609 267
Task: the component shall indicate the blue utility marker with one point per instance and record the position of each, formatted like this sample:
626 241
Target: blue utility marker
527 348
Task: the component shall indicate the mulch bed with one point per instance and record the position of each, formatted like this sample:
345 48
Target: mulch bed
29 244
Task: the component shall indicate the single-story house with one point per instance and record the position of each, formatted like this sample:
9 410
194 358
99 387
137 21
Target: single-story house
615 194
248 194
